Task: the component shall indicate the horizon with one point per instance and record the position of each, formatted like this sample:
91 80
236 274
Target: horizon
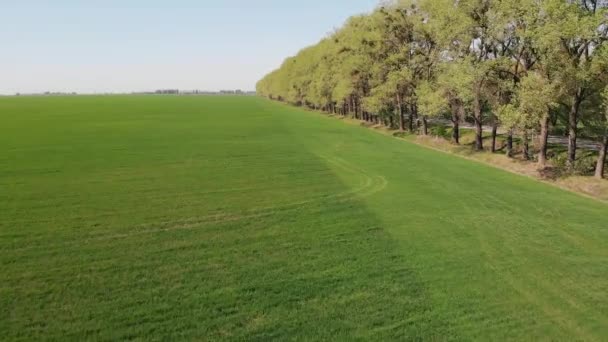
113 47
136 92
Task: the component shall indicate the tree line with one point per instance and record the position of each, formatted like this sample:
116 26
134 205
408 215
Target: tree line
521 66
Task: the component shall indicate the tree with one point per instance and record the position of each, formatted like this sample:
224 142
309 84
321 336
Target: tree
597 124
530 111
573 32
455 82
536 97
396 66
431 102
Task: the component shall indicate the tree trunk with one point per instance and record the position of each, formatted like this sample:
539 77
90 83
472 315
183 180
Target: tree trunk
425 130
456 122
494 134
526 146
573 128
542 141
412 114
400 111
478 124
601 162
510 144
410 122
456 132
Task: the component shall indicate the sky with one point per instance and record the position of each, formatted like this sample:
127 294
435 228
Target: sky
98 46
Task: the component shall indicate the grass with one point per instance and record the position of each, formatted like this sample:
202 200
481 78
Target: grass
235 218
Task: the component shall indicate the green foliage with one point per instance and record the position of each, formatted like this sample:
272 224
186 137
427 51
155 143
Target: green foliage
431 101
439 131
534 98
456 80
510 116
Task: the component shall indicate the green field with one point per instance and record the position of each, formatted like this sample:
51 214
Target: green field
237 218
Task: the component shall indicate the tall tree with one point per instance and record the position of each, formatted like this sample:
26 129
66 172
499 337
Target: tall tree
574 31
537 97
599 125
455 82
529 112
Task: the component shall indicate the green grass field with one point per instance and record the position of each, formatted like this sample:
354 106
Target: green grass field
237 218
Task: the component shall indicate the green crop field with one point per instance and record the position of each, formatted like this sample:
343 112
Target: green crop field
211 218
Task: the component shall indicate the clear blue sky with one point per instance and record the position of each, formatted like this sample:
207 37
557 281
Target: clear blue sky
126 45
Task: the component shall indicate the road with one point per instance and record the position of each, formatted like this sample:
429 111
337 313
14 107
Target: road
584 144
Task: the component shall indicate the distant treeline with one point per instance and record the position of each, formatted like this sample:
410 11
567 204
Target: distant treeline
197 92
526 66
155 92
48 93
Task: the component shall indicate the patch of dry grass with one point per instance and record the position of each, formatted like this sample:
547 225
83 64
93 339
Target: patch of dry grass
597 188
